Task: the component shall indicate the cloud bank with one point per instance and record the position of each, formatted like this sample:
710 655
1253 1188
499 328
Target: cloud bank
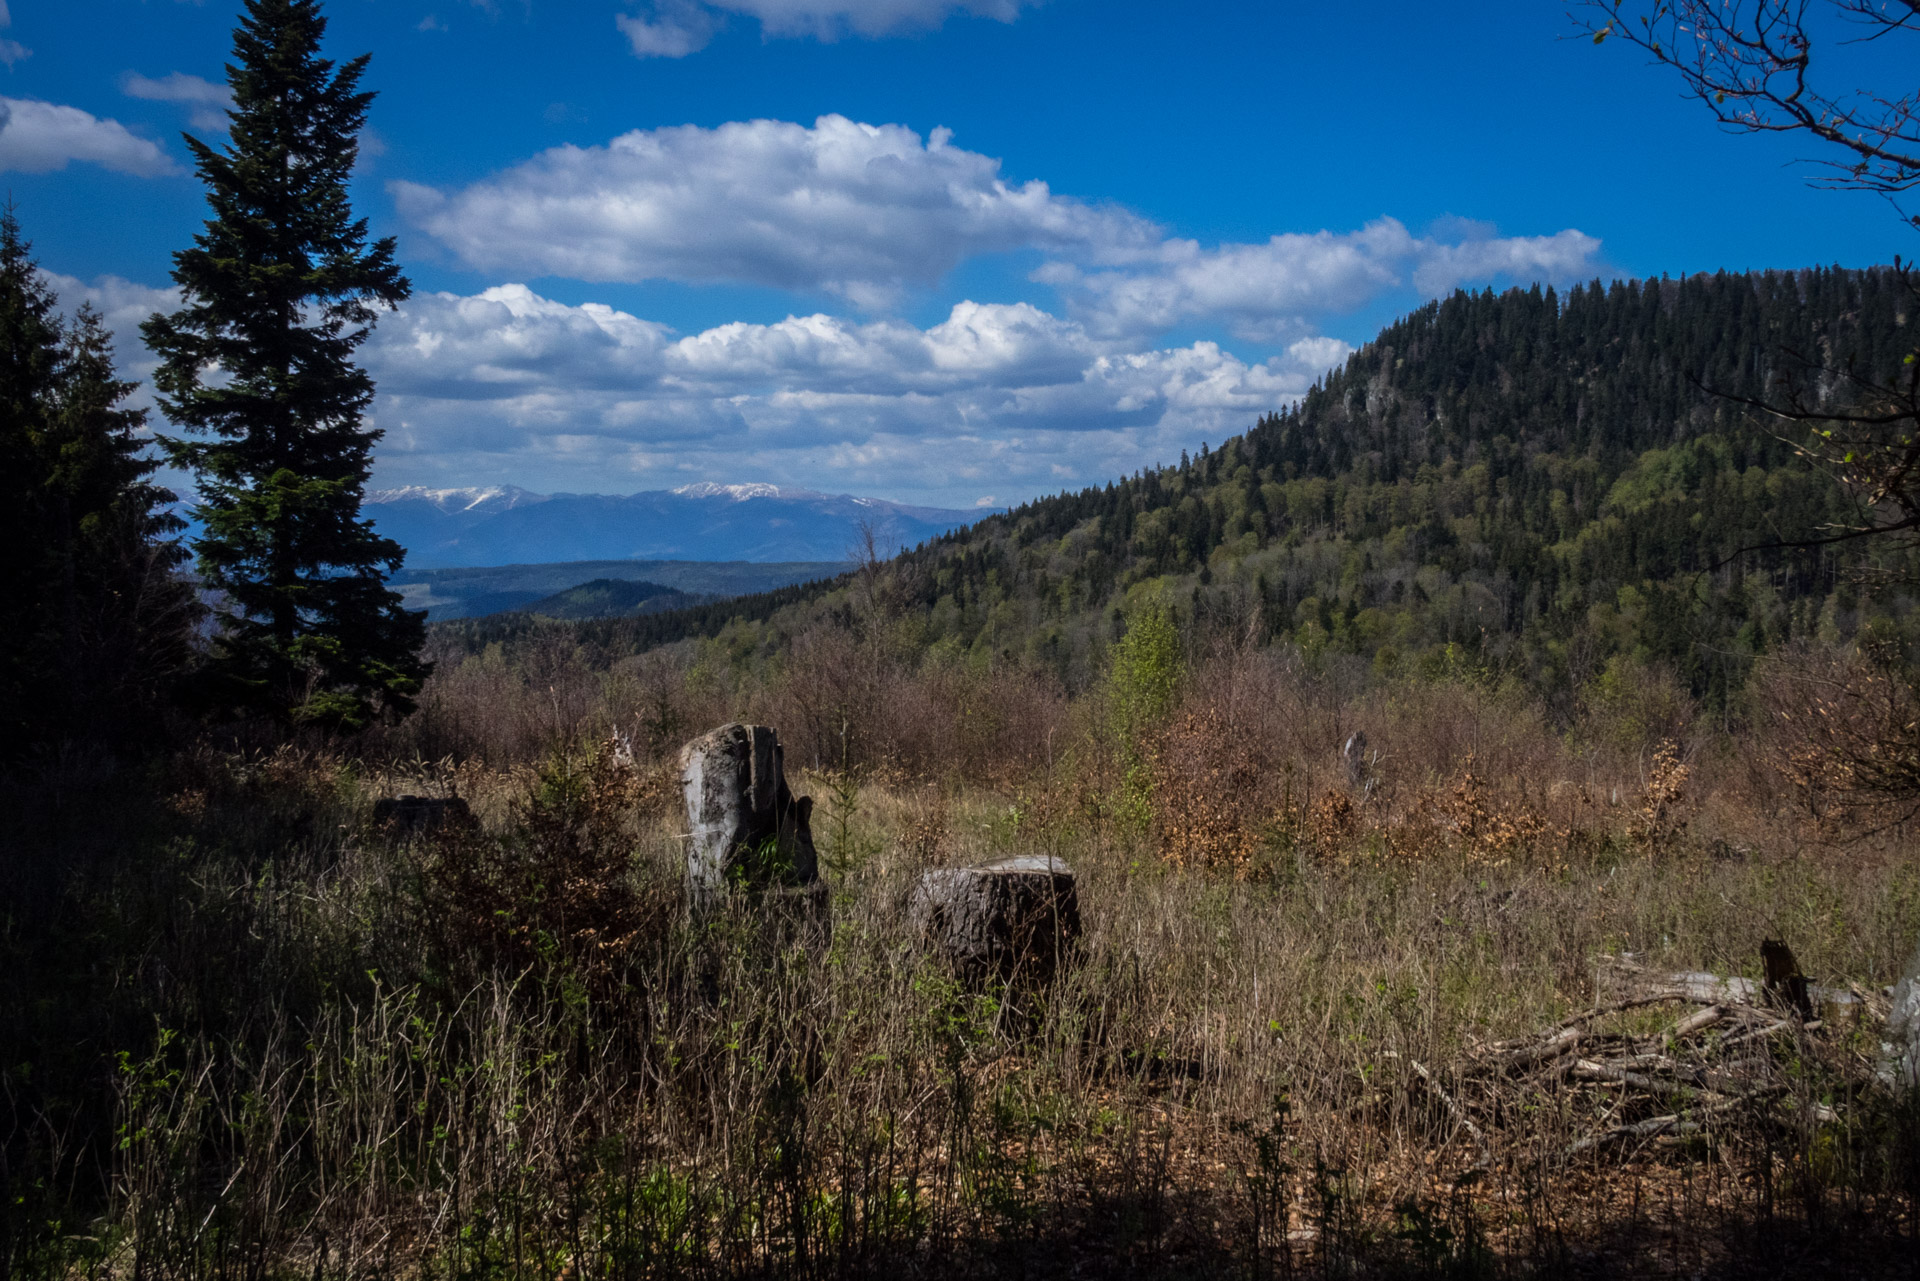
858 210
507 382
676 28
39 137
995 399
868 212
1002 398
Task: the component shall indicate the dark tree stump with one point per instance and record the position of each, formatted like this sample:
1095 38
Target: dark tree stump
1017 915
745 827
1782 980
416 814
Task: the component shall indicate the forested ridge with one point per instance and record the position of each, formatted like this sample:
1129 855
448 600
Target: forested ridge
1529 479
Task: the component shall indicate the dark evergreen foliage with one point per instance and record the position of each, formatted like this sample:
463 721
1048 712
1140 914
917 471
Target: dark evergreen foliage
280 289
29 372
126 615
98 624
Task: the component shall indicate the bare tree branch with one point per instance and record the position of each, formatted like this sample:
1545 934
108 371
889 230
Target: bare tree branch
1753 63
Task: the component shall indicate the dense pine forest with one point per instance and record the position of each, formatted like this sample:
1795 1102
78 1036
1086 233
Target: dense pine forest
1539 482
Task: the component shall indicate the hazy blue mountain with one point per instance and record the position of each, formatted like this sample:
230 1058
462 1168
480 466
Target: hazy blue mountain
500 525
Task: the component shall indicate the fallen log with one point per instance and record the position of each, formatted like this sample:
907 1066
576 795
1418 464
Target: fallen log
1630 982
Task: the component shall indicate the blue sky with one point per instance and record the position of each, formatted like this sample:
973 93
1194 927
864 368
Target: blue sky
946 252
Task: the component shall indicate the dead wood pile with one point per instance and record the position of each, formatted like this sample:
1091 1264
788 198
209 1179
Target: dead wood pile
1667 1059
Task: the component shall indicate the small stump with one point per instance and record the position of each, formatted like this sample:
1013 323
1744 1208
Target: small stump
411 815
1902 1051
746 829
1017 915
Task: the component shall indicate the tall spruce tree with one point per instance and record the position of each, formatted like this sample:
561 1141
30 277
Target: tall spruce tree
97 624
30 339
126 615
278 292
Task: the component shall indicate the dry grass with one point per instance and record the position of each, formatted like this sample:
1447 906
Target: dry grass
506 1052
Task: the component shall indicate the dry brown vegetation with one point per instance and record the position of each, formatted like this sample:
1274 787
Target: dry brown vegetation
503 1051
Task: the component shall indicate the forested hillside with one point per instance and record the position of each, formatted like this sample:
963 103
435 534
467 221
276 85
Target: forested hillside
1525 479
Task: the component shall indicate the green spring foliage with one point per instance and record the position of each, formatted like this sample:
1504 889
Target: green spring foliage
1528 481
1544 481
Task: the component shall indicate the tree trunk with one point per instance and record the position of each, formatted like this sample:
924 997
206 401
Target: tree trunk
1016 915
745 827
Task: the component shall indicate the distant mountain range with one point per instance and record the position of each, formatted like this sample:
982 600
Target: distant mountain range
503 524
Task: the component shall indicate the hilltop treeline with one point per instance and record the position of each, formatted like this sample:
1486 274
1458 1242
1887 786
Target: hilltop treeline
1542 481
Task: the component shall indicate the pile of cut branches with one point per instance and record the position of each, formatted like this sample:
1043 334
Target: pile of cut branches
1668 1059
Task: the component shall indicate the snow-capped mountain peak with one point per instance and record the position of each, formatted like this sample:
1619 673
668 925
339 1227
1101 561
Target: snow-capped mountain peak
738 493
474 498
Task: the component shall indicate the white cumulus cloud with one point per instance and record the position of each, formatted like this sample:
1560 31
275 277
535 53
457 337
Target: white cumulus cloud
509 383
207 103
868 212
1269 292
1565 256
859 210
996 398
37 137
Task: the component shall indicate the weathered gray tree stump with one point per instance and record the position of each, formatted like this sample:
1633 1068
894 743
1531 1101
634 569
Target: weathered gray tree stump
745 826
1017 915
1359 763
415 814
1903 1029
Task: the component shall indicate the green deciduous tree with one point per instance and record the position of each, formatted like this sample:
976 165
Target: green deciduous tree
1142 687
278 292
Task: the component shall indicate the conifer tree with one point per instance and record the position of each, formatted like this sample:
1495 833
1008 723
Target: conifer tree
97 623
29 370
126 616
278 291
